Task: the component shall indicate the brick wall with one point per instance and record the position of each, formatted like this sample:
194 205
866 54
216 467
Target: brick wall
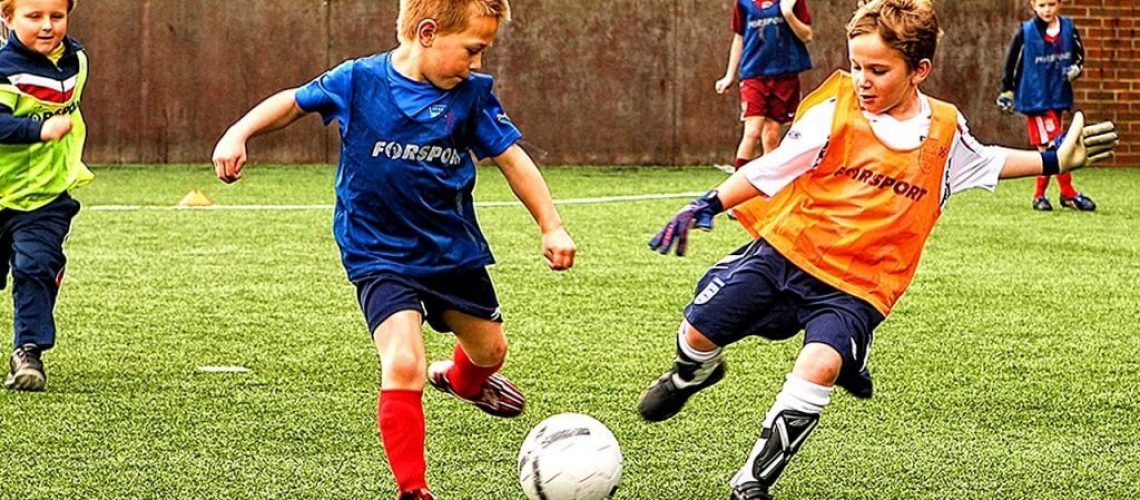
1110 87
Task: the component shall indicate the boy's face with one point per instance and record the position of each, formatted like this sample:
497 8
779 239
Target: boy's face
39 24
880 74
452 56
1046 9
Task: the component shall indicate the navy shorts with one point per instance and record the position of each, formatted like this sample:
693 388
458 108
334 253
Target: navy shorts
469 292
756 291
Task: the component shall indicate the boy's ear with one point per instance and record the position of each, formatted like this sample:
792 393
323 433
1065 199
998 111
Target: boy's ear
425 32
921 71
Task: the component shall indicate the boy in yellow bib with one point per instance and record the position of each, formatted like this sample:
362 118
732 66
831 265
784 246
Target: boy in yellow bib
841 211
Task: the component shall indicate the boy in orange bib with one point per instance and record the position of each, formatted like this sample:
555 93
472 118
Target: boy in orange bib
841 211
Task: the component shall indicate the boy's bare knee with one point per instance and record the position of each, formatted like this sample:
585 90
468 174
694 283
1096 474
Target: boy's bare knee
818 363
752 135
698 340
493 354
403 369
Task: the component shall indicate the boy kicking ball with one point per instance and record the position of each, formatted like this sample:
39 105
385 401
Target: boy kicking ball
412 121
855 189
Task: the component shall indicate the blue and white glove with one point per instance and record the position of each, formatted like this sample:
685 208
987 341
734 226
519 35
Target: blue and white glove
1073 72
1005 102
699 213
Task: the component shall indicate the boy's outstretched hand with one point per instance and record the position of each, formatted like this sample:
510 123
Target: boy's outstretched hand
1082 145
229 158
559 249
698 213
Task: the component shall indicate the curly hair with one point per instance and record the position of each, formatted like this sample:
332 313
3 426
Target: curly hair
908 26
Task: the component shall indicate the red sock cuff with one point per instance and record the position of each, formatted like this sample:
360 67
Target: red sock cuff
466 377
400 418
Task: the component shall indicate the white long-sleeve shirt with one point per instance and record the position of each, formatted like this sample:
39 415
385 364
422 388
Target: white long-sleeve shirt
969 165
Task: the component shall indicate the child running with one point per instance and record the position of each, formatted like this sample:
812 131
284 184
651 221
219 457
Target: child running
855 189
412 122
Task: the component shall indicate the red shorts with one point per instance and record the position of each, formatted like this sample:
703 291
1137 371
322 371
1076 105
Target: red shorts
1044 127
774 97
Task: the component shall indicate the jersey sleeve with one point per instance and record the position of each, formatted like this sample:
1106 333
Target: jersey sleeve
1011 72
737 18
799 151
328 94
972 164
801 11
494 130
15 129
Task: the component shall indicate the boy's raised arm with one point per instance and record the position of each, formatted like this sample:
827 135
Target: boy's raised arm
276 112
529 187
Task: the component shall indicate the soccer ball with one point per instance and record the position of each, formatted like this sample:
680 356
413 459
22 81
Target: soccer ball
570 456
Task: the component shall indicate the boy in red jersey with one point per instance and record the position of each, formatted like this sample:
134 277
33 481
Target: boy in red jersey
1045 56
768 54
855 189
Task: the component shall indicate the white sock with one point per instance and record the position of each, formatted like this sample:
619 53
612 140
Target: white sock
799 395
707 359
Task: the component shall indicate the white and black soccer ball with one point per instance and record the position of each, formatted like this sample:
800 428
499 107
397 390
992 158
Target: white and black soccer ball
570 456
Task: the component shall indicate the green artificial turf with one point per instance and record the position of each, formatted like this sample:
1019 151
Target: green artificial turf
1009 370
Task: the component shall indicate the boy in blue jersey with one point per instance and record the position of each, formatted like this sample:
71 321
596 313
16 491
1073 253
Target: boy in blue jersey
42 76
1044 58
412 122
768 52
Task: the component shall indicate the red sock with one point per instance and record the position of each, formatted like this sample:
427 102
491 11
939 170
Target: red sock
1065 181
400 417
1042 183
466 377
739 162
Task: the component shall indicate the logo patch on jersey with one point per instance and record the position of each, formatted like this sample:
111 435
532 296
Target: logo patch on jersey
417 152
710 290
503 118
436 110
900 187
45 89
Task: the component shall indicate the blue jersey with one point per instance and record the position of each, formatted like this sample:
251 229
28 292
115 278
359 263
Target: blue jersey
407 166
770 48
1043 86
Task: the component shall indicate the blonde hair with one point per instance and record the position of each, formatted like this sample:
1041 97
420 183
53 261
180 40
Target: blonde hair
451 15
908 26
8 6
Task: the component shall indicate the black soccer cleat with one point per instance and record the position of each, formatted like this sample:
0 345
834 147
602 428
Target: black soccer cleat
25 369
1079 202
663 398
1041 204
498 397
750 491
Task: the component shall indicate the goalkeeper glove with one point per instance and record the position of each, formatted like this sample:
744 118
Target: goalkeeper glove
699 213
1082 145
1005 102
1073 72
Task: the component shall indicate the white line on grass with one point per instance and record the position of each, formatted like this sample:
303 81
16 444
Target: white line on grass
569 201
223 369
